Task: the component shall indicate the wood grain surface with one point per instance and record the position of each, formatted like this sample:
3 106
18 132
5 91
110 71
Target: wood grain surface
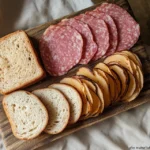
11 143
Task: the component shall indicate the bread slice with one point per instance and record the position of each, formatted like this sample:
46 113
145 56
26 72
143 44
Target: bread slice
111 73
94 99
77 84
131 56
96 88
111 83
19 65
100 80
73 98
123 76
104 85
58 109
26 113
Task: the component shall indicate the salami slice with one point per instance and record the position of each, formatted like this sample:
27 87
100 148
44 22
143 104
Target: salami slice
113 33
61 49
89 46
128 28
100 33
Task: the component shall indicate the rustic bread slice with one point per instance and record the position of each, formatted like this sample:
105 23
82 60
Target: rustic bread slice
106 69
94 100
19 66
111 83
58 109
26 113
73 98
123 76
77 84
139 83
122 60
100 80
104 84
131 87
131 56
96 88
133 65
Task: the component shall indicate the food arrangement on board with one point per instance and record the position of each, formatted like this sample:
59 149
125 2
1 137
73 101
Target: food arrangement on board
106 32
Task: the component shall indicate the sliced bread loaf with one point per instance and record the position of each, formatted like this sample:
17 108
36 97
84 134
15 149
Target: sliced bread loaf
58 109
19 65
26 113
73 98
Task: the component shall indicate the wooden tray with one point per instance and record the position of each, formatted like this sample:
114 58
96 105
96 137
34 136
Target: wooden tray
11 143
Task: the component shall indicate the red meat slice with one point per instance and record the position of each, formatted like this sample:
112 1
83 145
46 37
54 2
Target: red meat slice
61 49
128 28
113 33
89 46
100 33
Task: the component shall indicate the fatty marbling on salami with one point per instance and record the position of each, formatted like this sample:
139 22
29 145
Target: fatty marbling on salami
113 33
100 33
128 28
89 45
87 37
61 48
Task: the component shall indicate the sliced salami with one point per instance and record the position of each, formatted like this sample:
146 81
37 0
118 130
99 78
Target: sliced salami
89 46
100 33
61 49
113 33
128 28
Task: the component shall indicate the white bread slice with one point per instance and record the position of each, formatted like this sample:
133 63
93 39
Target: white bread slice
58 109
73 98
19 65
26 113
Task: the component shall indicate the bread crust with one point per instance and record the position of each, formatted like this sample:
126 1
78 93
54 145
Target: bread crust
12 123
79 100
66 123
33 51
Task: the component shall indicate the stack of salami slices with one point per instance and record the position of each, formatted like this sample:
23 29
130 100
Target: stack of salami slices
87 37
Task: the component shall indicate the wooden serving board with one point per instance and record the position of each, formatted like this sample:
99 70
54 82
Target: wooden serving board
11 143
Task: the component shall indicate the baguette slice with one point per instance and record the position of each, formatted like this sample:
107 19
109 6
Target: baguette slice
58 109
100 80
77 84
95 88
73 98
26 113
19 66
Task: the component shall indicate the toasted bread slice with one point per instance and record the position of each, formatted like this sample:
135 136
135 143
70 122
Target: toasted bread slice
96 88
104 84
76 83
122 60
131 87
139 84
87 72
111 84
98 79
141 77
132 56
130 64
26 113
58 109
123 75
73 98
94 99
106 69
19 65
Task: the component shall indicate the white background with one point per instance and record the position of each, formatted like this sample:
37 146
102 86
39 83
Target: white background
131 128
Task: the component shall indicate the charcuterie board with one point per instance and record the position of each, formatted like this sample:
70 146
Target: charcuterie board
11 143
